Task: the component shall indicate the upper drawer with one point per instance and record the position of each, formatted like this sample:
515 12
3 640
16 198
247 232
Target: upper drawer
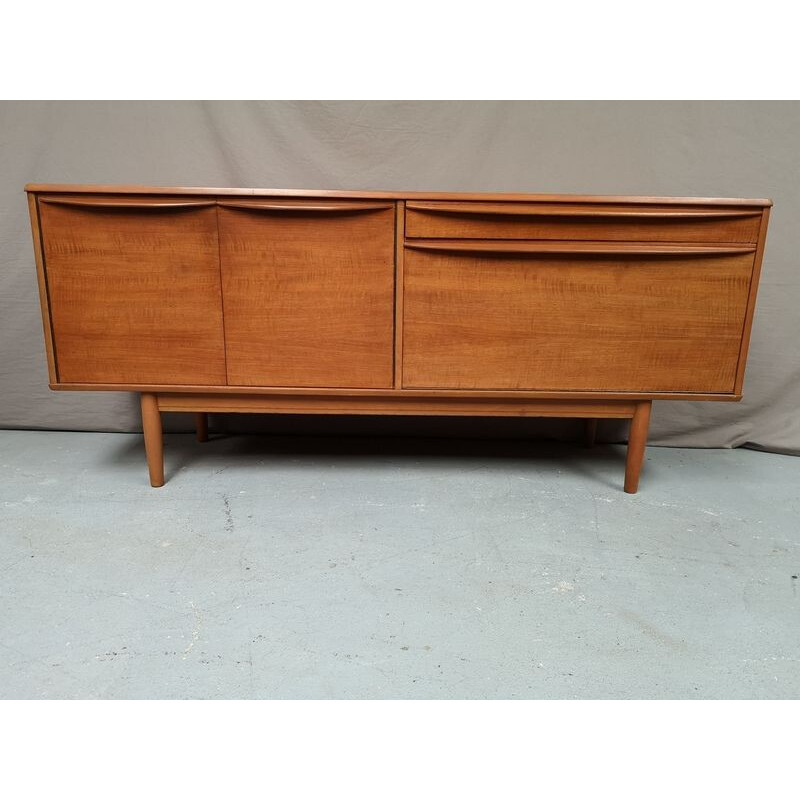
598 222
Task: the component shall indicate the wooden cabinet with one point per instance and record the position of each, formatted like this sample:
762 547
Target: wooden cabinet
271 301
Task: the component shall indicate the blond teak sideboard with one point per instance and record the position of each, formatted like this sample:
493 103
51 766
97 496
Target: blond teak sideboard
327 302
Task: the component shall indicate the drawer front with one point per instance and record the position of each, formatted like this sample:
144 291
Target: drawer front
134 289
308 289
634 223
577 321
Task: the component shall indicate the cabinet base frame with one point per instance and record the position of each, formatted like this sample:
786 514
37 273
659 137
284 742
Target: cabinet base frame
202 403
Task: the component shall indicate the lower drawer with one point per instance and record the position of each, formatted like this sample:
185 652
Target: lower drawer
578 321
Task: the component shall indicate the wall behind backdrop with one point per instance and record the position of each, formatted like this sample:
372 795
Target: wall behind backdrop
709 149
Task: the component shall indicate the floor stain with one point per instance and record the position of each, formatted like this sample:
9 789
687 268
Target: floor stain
229 524
198 620
651 630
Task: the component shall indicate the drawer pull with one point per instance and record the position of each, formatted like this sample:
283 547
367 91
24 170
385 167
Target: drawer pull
342 208
574 248
497 209
159 205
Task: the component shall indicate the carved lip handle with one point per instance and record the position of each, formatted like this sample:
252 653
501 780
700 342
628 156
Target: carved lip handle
156 205
574 248
300 208
519 210
170 205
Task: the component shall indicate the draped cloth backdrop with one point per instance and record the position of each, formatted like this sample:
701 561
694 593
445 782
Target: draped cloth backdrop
708 149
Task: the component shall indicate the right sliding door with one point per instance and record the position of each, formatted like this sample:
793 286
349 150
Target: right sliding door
573 316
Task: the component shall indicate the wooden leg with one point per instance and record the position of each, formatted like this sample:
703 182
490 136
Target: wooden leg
637 440
590 432
202 426
153 438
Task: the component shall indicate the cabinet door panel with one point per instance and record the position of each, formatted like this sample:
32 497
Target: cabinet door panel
575 323
134 290
308 291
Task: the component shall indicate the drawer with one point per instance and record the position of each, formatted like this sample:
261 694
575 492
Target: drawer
581 317
582 221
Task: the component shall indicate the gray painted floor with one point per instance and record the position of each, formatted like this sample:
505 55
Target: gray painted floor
319 568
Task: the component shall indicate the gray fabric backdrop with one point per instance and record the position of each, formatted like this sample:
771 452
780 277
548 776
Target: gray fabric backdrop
736 149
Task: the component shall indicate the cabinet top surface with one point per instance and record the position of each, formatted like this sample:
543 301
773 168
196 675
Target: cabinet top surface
398 195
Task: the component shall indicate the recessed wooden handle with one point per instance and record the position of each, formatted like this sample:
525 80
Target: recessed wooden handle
572 248
519 210
157 205
300 208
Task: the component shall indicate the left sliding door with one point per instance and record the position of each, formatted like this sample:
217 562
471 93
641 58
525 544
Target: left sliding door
134 289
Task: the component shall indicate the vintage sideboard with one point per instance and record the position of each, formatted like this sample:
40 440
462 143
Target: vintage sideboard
333 302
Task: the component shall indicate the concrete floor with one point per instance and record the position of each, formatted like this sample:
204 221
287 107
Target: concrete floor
273 567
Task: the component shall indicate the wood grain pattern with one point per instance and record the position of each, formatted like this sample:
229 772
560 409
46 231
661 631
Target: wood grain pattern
295 207
308 298
609 323
586 211
398 394
433 406
134 295
112 203
580 222
153 438
133 189
512 207
44 299
751 303
400 218
637 443
575 248
396 303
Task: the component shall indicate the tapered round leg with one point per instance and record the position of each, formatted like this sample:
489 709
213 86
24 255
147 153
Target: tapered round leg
153 438
590 432
637 441
202 426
